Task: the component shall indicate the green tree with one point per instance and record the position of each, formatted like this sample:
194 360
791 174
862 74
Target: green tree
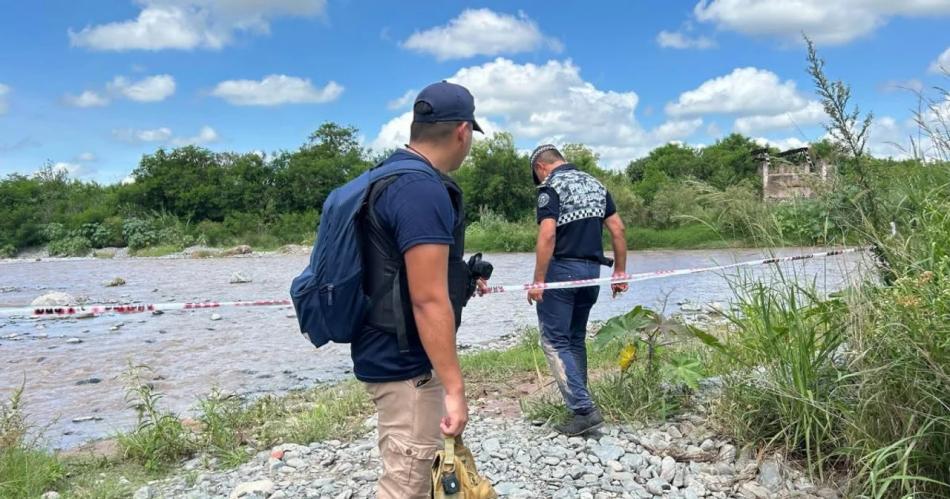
303 179
729 161
185 182
583 158
496 177
673 159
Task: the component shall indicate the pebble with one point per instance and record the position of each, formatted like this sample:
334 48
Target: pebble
215 317
85 419
250 489
657 486
522 459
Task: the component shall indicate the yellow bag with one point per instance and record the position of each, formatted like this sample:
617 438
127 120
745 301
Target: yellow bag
454 475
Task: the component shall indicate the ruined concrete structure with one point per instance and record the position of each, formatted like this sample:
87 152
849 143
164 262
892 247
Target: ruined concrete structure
791 174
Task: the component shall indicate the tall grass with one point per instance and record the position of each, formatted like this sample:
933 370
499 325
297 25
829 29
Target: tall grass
858 383
25 469
786 388
159 438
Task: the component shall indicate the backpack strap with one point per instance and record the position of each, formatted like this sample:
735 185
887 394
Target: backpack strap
402 335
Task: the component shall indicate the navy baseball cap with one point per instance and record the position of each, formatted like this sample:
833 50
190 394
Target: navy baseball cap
446 102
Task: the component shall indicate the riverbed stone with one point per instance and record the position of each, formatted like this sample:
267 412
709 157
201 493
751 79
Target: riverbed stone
54 299
247 490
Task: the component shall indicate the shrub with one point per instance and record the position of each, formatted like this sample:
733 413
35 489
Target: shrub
70 246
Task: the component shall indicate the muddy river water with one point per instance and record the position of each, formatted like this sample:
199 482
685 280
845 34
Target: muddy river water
259 350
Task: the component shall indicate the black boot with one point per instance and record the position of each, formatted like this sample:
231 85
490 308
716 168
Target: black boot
581 424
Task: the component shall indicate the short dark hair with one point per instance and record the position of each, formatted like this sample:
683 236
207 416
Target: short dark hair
435 132
546 154
432 133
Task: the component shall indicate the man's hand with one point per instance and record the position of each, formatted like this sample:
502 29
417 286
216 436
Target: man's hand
619 287
481 287
456 415
535 295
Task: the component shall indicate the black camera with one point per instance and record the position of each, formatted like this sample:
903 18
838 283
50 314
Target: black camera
478 268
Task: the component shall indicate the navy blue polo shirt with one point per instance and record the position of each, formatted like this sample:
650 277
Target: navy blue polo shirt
417 209
579 203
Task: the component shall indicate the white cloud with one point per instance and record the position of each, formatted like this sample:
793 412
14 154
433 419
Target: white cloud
393 133
676 130
552 103
71 169
406 99
678 40
135 136
151 89
481 32
745 91
4 91
86 99
887 138
831 22
812 114
275 90
190 24
129 179
164 135
206 135
86 157
713 130
782 144
942 63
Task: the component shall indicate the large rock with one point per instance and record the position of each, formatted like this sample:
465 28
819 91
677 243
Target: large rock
239 278
51 495
54 299
247 490
143 493
118 281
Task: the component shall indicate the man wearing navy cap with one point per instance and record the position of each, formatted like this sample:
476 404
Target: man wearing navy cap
573 209
406 352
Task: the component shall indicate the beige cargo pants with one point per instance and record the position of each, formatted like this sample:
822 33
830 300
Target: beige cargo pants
409 435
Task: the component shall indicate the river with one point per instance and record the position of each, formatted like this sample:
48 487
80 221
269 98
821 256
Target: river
259 350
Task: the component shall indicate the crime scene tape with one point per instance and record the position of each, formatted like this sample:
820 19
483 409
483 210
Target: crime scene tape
93 310
659 274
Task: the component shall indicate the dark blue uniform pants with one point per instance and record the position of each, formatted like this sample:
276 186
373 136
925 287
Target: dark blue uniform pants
562 316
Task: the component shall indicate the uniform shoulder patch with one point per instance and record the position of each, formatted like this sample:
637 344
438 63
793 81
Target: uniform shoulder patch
543 199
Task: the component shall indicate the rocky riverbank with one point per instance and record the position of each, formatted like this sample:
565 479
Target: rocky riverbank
685 457
42 253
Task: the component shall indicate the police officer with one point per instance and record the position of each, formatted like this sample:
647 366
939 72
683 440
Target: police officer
406 352
572 209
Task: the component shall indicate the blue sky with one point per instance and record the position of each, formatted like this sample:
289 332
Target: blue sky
92 86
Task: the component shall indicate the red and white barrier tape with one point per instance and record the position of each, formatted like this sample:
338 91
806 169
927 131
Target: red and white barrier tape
85 310
659 274
88 310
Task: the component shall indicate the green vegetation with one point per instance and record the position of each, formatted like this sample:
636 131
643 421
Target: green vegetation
858 383
227 430
675 197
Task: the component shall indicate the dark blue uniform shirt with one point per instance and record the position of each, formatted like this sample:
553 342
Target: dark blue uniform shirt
417 208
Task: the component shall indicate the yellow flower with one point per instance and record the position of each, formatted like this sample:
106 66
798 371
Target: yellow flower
627 356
